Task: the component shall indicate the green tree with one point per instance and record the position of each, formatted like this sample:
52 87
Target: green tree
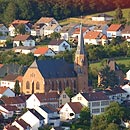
108 77
118 14
20 29
17 88
69 92
85 116
55 35
112 126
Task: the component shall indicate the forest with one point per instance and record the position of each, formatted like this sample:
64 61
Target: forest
59 9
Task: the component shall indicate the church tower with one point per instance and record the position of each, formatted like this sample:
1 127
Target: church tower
81 64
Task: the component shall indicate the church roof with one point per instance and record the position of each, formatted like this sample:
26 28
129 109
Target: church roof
55 68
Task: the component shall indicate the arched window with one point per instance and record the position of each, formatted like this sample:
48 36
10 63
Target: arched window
60 87
75 87
37 86
52 85
27 85
67 84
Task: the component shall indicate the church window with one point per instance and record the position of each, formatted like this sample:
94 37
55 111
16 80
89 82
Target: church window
52 85
37 85
27 85
67 84
60 87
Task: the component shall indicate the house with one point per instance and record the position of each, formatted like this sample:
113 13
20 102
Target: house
17 101
102 17
116 94
113 67
44 51
21 124
6 91
63 98
39 99
126 33
3 40
16 23
93 37
33 118
3 30
39 26
10 80
68 30
56 74
23 40
114 30
101 28
59 45
7 111
70 111
24 49
50 114
10 128
51 29
126 87
96 101
128 75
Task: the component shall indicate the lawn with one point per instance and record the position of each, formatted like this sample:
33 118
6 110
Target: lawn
125 61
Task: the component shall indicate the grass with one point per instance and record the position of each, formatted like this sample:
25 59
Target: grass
86 19
125 61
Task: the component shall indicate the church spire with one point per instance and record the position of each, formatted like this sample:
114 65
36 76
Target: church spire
80 47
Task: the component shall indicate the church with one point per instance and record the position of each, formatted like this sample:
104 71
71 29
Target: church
56 74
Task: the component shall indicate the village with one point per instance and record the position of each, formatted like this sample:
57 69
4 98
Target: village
42 98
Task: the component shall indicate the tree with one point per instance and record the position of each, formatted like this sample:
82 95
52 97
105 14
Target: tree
17 88
69 92
20 29
85 116
55 35
112 126
108 77
118 14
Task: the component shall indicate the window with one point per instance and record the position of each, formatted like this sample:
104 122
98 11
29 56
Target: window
95 104
64 96
102 109
37 85
103 103
97 110
27 85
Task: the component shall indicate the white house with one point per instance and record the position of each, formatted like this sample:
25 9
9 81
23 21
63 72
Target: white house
68 30
116 94
126 33
18 101
23 40
51 28
96 101
126 87
33 118
3 40
59 45
39 26
50 114
6 91
70 111
44 51
114 30
93 37
102 17
39 99
7 111
128 75
3 30
10 80
21 125
15 23
24 49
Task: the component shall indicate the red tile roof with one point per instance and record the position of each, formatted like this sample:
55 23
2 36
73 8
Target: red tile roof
10 77
12 100
48 96
114 27
104 37
92 35
22 123
1 65
20 22
75 106
22 37
12 128
3 89
77 30
10 108
45 20
41 50
19 78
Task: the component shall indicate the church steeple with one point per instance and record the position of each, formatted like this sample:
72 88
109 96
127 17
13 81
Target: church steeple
80 47
81 65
